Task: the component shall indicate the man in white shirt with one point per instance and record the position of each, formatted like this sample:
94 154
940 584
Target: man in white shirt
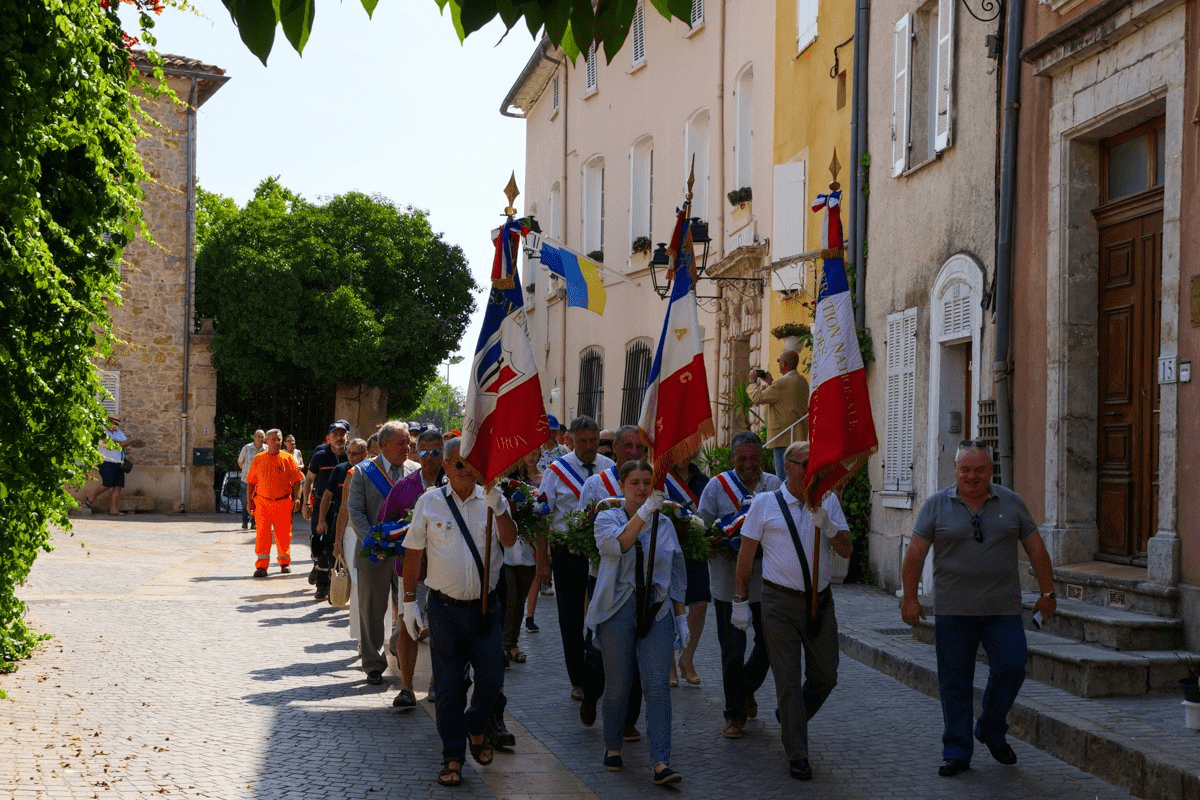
245 456
562 485
450 526
786 530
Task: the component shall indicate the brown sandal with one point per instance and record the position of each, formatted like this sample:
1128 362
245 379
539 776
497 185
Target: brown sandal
481 751
451 774
516 656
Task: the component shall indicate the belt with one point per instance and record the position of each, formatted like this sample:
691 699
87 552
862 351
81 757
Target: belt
454 601
277 499
790 590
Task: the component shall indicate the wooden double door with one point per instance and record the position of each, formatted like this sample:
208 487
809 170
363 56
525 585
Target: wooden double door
1130 272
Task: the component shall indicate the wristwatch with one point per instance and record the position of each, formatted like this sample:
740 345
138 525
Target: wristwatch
1050 595
737 598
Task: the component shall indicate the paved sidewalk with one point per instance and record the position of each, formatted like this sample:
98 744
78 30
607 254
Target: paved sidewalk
173 673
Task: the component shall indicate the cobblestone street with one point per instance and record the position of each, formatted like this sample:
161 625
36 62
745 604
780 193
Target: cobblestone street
173 673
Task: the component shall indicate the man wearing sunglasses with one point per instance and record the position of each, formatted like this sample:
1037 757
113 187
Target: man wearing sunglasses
974 528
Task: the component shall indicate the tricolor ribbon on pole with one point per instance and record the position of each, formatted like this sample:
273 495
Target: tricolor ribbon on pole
841 428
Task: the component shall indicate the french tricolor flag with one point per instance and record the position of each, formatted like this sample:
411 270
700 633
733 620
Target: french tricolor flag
841 429
676 414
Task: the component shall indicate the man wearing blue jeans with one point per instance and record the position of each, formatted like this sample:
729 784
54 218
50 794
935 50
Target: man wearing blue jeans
974 527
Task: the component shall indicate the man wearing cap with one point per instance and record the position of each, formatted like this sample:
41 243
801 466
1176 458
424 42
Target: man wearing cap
274 496
112 467
558 450
320 466
245 456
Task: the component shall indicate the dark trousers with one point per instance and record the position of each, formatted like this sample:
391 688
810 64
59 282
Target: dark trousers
570 588
321 545
455 642
740 679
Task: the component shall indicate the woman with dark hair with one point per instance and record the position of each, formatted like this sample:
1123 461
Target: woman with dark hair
636 610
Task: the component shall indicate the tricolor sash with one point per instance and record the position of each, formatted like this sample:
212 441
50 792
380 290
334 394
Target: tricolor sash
377 476
734 488
609 477
678 491
570 478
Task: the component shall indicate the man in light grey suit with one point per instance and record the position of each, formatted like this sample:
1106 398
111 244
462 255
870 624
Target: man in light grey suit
377 580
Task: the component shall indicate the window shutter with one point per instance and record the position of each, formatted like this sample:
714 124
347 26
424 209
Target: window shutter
697 12
110 399
945 74
901 61
591 68
697 146
806 23
640 166
900 399
787 233
554 95
956 312
639 34
744 143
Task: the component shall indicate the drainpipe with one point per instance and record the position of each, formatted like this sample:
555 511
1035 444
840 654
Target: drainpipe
189 249
858 146
719 219
1001 371
562 231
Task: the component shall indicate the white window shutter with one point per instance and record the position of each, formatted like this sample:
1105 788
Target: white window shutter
901 63
697 12
554 95
787 233
110 399
639 34
806 23
956 312
945 75
591 68
900 399
640 175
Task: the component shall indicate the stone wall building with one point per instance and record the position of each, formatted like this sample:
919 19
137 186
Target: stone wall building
160 374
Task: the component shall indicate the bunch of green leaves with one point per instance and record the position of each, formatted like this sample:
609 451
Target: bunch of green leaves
69 201
352 291
573 26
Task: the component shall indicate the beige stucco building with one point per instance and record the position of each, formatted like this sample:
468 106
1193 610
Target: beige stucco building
931 241
160 374
609 147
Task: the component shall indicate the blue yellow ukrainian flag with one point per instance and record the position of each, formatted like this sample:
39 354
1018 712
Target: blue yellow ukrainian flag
585 288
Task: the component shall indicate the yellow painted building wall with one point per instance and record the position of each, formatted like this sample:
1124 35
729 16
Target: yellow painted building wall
809 125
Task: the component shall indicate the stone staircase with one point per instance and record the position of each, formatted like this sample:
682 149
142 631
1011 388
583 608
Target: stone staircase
1113 634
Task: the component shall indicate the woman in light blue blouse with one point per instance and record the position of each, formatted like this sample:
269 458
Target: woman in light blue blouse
623 537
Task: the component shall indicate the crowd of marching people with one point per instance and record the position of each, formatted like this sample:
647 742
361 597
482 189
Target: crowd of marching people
434 556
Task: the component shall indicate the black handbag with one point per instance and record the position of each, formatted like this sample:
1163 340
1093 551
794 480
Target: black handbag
126 465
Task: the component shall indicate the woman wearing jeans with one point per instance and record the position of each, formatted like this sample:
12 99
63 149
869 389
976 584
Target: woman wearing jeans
623 538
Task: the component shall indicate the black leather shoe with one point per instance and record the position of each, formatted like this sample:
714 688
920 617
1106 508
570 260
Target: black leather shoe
1002 752
375 677
587 712
500 735
800 769
952 766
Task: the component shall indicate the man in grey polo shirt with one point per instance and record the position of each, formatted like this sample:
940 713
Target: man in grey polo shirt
974 527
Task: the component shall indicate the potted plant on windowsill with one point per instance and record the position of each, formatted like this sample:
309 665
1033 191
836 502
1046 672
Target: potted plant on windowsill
639 252
597 256
740 200
793 334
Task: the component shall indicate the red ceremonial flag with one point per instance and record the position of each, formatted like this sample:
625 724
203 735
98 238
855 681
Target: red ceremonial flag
841 428
505 417
676 414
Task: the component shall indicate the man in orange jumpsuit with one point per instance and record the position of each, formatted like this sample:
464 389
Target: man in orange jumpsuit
273 496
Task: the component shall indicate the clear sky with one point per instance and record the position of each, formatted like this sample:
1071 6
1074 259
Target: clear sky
392 104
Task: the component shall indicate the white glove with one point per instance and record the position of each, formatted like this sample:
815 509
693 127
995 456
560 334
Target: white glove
653 503
821 520
495 501
413 621
741 614
682 634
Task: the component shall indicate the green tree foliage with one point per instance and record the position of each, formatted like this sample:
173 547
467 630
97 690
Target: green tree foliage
212 210
69 194
442 406
570 24
353 291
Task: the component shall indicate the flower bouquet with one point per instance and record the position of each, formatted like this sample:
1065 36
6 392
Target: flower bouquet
689 530
529 509
725 535
385 540
580 535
